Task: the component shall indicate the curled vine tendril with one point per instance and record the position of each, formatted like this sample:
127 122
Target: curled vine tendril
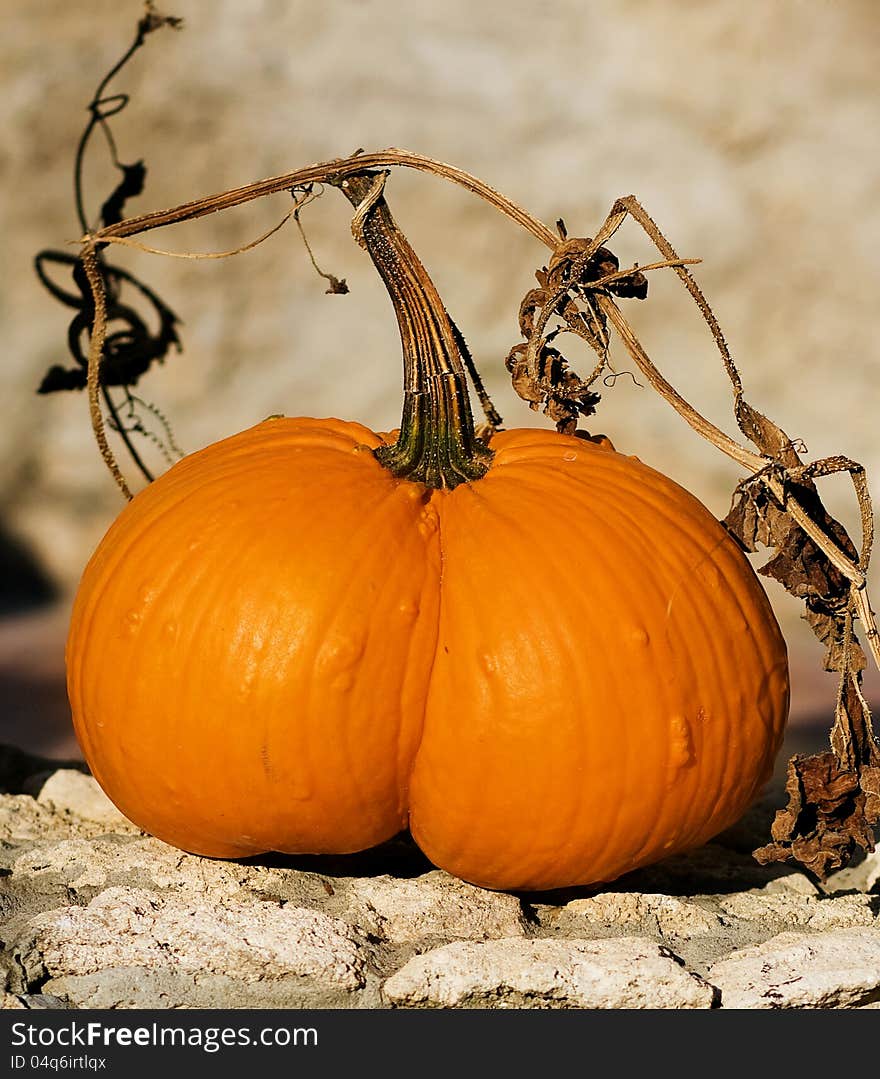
131 345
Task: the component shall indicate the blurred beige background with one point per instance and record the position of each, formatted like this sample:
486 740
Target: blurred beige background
749 131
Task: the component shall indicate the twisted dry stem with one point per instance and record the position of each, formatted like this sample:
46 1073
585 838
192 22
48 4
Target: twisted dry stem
437 444
96 350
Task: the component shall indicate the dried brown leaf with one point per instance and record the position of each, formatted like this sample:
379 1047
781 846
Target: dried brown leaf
540 373
563 395
770 439
756 518
828 629
336 286
833 803
533 301
852 736
520 376
870 783
831 812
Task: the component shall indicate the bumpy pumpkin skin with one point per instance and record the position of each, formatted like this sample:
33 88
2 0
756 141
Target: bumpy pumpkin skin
560 672
610 684
249 645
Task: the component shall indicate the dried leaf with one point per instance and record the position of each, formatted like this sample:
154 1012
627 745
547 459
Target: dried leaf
131 347
827 627
804 571
798 564
540 373
830 814
155 20
770 439
833 802
337 286
529 309
632 287
523 383
744 522
852 736
870 784
563 395
574 262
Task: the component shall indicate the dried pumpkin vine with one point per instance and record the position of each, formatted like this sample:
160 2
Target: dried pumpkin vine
834 797
132 347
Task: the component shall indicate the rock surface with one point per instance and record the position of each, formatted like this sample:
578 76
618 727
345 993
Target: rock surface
836 969
73 794
433 906
668 916
616 973
126 930
94 913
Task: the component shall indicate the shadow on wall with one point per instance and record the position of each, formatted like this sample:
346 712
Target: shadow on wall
34 713
24 585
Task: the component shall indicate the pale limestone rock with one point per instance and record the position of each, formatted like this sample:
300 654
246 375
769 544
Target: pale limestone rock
170 929
131 928
10 1002
839 968
872 872
434 905
792 883
801 910
618 973
140 987
22 818
144 862
663 914
95 863
865 877
69 791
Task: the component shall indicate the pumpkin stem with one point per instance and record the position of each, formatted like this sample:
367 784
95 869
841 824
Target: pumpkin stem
437 444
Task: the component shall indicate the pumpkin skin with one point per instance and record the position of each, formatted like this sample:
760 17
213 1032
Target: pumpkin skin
555 674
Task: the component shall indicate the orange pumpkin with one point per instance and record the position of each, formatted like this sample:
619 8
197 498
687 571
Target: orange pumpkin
281 645
548 660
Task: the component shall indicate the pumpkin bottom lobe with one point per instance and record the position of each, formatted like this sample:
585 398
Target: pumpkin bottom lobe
609 709
283 710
